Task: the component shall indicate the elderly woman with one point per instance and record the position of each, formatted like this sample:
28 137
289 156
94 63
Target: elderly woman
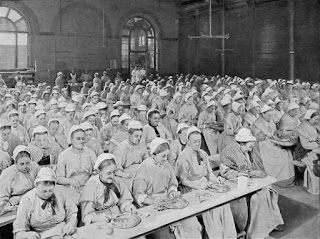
19 178
178 145
265 215
232 124
91 142
194 172
55 136
121 134
277 161
41 151
45 211
206 123
104 195
308 149
109 129
90 117
130 153
8 141
75 164
188 112
289 122
155 129
155 179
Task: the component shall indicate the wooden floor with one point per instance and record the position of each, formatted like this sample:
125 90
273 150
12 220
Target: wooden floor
307 219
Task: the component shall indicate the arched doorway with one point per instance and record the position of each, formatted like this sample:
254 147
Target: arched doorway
138 45
14 39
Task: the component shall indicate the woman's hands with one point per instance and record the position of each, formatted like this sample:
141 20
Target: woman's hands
102 217
130 208
174 194
74 183
13 201
68 229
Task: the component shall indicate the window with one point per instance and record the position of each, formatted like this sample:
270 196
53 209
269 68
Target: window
14 39
138 44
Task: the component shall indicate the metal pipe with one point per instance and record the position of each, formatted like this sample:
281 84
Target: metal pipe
223 41
253 40
210 17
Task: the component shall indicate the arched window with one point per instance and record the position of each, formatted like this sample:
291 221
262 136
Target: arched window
139 45
14 39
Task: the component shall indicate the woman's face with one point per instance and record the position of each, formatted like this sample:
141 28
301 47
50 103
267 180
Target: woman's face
135 137
125 124
95 99
154 119
46 97
14 119
162 157
294 112
107 173
315 120
32 107
178 99
23 164
89 133
279 106
53 128
195 141
248 146
70 115
5 134
42 119
189 101
41 140
55 107
120 109
255 110
268 115
115 121
91 120
78 140
183 135
44 191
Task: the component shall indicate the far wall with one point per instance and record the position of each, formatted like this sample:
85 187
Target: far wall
259 39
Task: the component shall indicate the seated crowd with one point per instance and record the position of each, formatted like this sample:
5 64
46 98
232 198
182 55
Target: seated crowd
72 160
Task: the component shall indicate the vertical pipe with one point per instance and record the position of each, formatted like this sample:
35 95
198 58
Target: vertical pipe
210 18
291 33
197 27
223 41
253 40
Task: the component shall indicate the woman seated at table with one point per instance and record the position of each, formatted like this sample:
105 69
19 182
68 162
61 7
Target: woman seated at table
110 129
194 173
277 161
105 193
75 164
55 136
309 146
156 180
188 112
45 211
155 129
178 145
91 142
19 178
130 153
8 140
290 122
43 152
121 134
265 215
5 160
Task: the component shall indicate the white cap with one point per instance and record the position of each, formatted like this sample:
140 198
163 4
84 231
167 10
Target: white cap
163 93
145 93
182 126
39 112
4 123
46 174
292 106
13 112
308 114
306 100
265 108
94 93
86 126
86 105
53 102
192 129
124 117
142 108
225 101
138 87
155 143
39 130
239 95
152 110
114 113
188 95
101 158
88 113
211 103
118 103
101 105
73 129
70 108
62 104
235 106
19 149
254 104
176 95
245 135
53 120
135 125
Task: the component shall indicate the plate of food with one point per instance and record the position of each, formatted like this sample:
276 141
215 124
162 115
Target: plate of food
177 203
125 221
219 188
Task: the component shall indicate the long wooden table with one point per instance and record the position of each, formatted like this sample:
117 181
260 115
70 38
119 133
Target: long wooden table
159 219
152 220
